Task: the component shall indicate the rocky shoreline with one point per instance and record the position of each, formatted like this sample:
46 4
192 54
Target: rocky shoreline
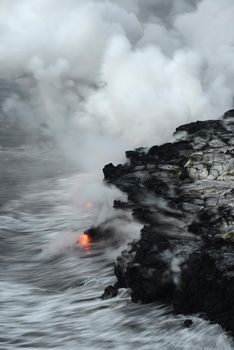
183 193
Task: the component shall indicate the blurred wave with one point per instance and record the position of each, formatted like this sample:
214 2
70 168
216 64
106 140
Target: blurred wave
50 287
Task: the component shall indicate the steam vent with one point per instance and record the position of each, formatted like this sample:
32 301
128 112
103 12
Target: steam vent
183 193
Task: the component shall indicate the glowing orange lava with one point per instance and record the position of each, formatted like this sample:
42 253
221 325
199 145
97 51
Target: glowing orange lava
89 205
85 241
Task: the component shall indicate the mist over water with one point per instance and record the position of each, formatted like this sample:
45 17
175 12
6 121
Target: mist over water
50 287
80 83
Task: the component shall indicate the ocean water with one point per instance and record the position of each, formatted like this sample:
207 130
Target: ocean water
50 286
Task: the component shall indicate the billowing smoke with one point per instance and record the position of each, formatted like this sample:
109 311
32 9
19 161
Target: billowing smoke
105 76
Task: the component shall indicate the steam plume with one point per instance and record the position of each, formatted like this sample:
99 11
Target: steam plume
110 75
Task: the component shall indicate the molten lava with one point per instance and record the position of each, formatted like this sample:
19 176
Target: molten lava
89 205
85 241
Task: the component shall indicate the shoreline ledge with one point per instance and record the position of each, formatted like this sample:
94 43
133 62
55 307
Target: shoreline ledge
183 194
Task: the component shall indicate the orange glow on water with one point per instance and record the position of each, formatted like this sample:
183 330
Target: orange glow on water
89 205
85 241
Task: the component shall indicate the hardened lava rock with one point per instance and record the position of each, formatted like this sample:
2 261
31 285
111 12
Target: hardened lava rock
183 193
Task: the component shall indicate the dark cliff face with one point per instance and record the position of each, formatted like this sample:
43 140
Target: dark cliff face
183 193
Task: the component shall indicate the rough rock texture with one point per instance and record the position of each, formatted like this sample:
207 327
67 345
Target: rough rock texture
109 292
183 192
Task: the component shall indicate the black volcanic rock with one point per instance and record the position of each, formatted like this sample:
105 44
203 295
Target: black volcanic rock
183 193
188 323
109 292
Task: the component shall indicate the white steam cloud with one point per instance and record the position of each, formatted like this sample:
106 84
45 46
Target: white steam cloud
106 76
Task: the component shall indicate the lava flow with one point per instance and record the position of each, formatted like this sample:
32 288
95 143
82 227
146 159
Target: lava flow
84 241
